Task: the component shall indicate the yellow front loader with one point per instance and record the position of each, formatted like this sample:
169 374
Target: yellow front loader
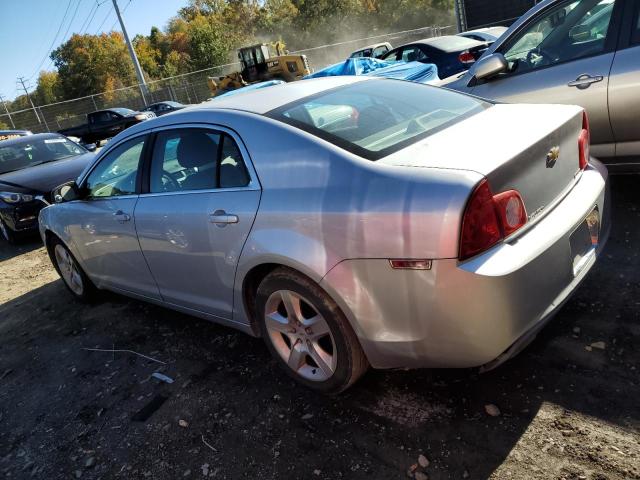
258 66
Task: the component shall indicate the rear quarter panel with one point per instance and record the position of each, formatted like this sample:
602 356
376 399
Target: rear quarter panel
321 205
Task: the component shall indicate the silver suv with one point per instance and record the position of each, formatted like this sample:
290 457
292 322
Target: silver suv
582 52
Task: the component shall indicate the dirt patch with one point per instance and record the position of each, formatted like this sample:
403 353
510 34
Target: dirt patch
566 412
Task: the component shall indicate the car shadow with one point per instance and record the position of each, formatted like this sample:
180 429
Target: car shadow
243 417
28 244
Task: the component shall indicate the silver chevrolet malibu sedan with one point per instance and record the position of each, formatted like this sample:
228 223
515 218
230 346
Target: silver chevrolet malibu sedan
347 221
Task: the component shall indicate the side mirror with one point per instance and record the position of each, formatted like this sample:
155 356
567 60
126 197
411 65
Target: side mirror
91 147
66 192
490 66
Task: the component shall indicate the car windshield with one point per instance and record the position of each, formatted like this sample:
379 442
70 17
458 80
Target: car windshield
123 111
377 117
28 152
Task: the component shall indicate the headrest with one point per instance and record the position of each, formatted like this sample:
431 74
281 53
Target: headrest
196 149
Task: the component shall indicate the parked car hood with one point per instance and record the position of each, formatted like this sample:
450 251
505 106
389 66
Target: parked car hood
45 177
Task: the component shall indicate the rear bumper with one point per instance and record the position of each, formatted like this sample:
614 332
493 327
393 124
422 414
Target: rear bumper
470 314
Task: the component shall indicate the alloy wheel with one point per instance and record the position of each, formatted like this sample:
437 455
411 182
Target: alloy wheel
300 335
69 270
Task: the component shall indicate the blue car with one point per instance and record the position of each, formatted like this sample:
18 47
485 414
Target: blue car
450 53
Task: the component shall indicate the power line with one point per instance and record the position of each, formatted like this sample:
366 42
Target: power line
54 40
123 10
94 7
88 25
105 19
75 12
73 17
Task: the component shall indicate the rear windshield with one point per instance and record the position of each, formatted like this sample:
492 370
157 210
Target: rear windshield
123 111
375 118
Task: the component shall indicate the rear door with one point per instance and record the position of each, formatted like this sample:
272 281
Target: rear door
202 197
564 55
624 87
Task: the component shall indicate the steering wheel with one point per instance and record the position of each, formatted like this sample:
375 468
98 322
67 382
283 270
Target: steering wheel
169 180
539 57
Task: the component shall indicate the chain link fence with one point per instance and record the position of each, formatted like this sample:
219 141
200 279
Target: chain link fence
187 88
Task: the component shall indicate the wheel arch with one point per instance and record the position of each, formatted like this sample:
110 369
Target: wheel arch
49 237
256 274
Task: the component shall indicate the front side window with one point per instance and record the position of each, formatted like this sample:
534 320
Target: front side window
570 31
117 172
379 51
412 54
195 159
377 117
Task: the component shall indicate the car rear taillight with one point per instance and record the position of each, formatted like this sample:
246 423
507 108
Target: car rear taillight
510 210
466 57
489 218
584 142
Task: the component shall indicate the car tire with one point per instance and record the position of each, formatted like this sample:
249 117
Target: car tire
71 273
307 333
7 234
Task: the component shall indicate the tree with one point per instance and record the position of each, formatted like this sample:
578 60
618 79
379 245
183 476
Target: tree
210 40
48 88
86 63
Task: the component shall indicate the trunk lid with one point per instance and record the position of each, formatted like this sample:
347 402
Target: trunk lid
529 148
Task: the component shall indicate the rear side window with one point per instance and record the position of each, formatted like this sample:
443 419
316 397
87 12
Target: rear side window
375 118
196 159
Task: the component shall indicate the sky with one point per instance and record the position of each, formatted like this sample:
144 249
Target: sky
30 29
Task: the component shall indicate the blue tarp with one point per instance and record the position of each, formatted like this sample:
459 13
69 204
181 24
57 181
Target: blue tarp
414 71
248 88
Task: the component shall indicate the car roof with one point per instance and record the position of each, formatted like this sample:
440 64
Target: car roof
486 30
264 100
29 138
166 102
449 43
372 46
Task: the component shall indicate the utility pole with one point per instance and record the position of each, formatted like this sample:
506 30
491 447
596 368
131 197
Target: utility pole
7 110
21 80
134 58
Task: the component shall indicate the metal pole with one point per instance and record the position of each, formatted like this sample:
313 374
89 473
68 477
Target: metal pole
95 107
44 119
7 110
136 65
21 80
195 94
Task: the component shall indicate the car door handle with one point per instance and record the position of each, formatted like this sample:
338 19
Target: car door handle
222 218
121 216
585 81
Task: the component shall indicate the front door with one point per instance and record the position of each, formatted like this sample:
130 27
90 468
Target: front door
563 56
194 221
102 225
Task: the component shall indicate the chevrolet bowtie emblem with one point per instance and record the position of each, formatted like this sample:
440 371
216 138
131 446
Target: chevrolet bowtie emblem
552 157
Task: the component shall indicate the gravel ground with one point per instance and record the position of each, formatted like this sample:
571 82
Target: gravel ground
565 408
